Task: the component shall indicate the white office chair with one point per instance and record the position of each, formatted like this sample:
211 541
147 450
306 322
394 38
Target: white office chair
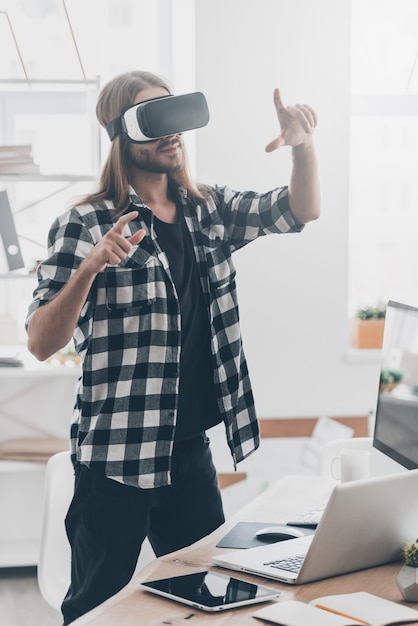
21 489
54 567
331 449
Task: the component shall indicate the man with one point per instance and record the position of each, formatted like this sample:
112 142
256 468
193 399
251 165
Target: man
140 274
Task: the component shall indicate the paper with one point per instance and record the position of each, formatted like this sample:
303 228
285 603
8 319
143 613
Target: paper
293 613
349 609
372 609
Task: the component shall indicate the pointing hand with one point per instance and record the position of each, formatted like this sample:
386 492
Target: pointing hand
297 124
114 246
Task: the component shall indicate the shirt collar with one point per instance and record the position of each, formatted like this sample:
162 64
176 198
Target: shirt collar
135 199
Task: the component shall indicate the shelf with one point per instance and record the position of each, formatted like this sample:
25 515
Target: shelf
27 110
16 274
50 81
46 177
50 97
355 355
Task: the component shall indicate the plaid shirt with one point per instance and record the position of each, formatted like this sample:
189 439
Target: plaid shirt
129 331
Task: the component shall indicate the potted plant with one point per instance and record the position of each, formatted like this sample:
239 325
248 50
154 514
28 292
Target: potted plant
407 579
389 379
367 327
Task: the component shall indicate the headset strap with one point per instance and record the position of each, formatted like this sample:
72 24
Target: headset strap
115 127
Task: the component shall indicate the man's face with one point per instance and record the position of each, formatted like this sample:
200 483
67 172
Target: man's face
161 156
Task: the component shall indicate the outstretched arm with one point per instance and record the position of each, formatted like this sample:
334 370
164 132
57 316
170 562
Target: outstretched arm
297 125
52 325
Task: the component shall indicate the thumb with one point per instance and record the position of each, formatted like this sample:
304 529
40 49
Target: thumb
275 144
137 237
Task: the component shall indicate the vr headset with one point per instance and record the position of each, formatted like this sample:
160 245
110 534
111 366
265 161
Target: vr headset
160 117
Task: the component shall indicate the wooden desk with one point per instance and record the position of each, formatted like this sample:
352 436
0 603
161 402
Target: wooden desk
290 495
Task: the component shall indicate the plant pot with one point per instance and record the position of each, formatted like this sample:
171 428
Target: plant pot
367 334
387 387
407 582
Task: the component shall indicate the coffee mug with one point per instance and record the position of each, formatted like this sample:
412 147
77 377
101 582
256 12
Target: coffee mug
351 465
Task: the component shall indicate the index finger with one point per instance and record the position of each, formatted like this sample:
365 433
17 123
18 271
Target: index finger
123 220
278 102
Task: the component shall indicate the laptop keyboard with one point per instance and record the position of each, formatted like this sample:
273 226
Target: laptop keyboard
310 517
291 564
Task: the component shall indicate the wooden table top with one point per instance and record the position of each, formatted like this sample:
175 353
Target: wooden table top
287 497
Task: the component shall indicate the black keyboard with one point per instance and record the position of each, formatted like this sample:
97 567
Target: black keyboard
291 564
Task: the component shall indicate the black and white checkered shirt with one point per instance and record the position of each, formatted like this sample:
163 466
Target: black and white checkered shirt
129 331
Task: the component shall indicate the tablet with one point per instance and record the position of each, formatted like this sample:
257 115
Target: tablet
210 591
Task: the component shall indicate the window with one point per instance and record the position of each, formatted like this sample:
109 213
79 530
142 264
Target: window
383 227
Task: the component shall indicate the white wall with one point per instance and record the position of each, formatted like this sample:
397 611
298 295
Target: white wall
292 289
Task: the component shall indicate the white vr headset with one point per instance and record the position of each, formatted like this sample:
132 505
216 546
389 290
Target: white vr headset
160 117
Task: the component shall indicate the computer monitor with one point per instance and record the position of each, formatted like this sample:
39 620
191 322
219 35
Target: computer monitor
11 252
396 419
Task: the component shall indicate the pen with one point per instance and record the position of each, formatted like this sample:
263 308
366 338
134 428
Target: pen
356 619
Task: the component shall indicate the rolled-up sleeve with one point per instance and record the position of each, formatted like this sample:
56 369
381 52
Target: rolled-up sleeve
248 215
69 242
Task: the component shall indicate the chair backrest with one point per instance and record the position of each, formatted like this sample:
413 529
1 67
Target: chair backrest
54 567
331 449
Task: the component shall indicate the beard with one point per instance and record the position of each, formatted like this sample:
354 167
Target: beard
149 160
152 165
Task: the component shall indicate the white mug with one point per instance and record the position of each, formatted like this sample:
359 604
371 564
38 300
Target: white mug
351 465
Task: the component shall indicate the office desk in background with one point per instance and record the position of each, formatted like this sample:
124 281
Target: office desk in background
290 495
36 403
36 400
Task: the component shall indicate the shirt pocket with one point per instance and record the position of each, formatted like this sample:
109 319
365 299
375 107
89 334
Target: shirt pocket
133 285
221 270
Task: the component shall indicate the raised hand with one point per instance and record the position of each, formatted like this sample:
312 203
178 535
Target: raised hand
297 124
114 246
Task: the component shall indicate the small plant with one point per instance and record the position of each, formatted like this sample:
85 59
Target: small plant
388 377
372 312
410 553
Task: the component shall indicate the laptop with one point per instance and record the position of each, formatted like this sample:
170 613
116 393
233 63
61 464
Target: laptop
365 523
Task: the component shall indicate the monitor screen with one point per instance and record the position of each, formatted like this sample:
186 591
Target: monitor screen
11 247
396 419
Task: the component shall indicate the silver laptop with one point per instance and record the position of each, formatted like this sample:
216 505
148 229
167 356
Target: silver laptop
365 523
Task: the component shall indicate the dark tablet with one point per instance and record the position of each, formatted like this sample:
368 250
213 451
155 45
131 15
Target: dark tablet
210 591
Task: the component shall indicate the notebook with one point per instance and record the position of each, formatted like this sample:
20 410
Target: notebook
365 523
347 609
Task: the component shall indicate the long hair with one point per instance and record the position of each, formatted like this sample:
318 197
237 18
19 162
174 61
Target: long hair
113 185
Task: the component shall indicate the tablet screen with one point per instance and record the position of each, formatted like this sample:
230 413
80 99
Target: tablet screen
211 591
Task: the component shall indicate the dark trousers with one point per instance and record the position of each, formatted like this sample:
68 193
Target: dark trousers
108 521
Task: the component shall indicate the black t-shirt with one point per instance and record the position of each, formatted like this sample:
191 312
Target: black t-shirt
197 408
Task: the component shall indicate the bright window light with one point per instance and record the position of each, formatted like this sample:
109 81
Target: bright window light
383 235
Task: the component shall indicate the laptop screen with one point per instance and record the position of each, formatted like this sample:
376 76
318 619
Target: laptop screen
396 420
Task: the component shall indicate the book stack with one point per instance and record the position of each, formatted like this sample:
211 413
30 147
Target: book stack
17 159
